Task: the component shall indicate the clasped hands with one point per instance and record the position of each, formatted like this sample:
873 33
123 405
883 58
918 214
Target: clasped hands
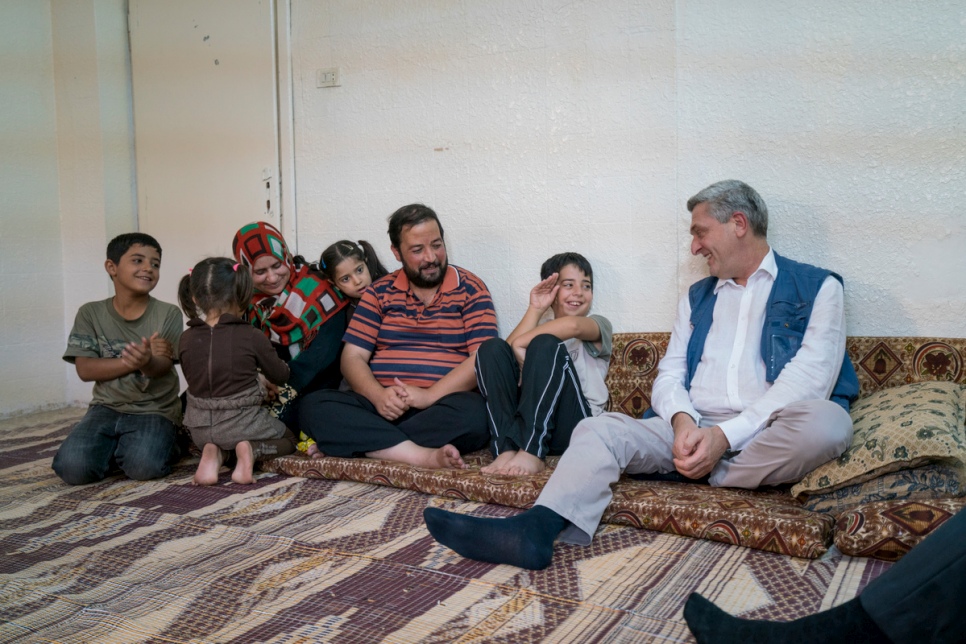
398 398
137 355
696 450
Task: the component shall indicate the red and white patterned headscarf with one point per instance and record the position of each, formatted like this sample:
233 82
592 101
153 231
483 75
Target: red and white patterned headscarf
293 317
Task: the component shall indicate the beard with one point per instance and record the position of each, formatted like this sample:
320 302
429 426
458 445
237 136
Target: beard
417 279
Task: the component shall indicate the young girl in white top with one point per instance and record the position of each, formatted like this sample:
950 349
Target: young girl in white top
351 267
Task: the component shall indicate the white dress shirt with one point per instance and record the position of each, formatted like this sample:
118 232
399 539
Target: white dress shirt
729 387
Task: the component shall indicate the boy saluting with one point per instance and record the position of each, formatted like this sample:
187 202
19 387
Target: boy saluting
545 378
125 345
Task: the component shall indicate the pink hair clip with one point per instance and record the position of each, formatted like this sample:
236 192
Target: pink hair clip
235 268
189 270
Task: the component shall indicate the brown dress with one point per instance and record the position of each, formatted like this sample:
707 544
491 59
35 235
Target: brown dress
221 365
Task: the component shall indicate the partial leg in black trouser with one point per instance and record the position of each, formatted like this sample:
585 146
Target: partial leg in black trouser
917 600
540 414
920 598
346 424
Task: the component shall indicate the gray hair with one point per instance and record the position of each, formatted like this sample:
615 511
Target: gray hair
725 198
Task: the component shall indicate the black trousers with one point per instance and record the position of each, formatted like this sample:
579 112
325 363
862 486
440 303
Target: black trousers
346 424
920 598
540 414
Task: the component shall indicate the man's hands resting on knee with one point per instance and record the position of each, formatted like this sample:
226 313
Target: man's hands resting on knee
390 404
696 450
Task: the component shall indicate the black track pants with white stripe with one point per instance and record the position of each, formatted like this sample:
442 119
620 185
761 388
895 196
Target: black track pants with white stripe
539 415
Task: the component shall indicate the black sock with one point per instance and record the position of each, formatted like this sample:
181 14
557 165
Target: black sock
847 623
525 541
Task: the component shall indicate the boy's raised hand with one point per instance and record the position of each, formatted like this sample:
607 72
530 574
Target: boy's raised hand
160 347
543 294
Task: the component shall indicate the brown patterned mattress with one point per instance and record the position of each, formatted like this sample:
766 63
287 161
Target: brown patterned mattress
765 520
771 520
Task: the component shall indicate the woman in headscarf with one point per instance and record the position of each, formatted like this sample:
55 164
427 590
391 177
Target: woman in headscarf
299 310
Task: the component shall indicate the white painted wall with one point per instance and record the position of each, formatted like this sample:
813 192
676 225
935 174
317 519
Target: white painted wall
850 119
31 271
95 135
539 126
66 183
532 126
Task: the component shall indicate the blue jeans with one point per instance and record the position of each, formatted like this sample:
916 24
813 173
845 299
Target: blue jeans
143 446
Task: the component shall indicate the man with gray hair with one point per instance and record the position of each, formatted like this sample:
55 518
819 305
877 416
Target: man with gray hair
753 390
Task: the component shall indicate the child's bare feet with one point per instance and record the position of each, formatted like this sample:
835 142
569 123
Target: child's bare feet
445 457
246 464
525 464
314 452
499 463
211 460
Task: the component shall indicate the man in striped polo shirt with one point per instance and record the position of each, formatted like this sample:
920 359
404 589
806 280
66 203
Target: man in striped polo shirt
408 356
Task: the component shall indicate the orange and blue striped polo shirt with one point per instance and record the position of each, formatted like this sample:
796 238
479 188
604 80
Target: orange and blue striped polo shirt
420 343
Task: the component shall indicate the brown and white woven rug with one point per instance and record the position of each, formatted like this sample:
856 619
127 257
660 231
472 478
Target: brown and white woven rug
307 560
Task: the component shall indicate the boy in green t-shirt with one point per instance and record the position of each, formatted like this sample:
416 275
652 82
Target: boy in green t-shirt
126 345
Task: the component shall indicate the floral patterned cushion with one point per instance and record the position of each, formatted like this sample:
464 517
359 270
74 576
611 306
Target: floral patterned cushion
881 362
898 428
888 530
933 481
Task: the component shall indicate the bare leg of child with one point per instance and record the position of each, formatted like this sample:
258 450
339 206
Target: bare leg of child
498 466
524 464
246 464
211 460
445 457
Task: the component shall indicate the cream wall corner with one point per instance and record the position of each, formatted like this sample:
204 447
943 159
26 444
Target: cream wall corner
66 180
32 288
95 150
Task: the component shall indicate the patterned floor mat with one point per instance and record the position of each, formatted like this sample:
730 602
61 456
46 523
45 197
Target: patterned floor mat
306 560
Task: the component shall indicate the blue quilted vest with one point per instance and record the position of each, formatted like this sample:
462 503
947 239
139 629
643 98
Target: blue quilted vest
786 318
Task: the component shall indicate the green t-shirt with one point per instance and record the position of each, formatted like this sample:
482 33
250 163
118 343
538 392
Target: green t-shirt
100 332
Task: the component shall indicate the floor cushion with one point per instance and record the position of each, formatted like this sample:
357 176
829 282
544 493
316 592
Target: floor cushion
763 519
894 429
888 530
932 481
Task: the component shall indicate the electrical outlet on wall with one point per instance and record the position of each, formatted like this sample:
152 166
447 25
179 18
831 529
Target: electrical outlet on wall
327 77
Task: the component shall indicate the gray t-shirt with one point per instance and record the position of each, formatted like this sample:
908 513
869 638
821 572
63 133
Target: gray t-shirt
591 364
100 332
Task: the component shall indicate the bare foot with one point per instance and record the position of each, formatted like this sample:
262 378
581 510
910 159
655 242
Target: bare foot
211 460
246 464
445 457
314 451
525 464
499 463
